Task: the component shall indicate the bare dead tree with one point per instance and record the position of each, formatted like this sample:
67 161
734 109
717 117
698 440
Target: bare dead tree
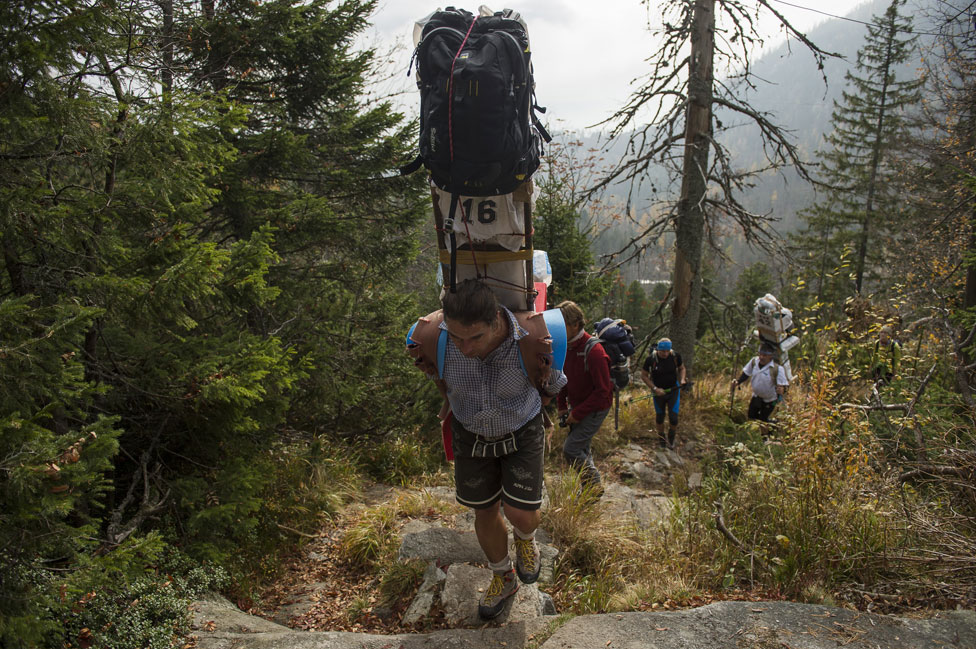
674 107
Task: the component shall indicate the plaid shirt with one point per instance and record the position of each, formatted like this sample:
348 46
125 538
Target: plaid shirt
493 397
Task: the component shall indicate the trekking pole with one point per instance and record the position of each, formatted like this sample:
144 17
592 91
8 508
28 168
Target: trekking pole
616 409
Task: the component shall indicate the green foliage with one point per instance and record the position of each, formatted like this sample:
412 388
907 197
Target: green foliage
559 231
636 309
863 206
56 451
371 540
403 459
753 282
133 598
203 250
401 580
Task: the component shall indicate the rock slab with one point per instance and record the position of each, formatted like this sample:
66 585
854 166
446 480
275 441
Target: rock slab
765 625
464 587
221 625
723 625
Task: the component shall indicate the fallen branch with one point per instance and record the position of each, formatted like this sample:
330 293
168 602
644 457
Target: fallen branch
933 470
299 533
119 530
719 517
860 406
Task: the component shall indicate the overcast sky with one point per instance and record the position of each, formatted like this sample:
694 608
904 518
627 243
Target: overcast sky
585 53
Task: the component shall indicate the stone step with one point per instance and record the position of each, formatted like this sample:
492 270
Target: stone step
218 624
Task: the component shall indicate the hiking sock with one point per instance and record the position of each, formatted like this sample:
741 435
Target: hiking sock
522 535
502 566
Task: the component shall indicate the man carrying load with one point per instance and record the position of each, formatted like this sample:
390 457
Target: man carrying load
495 390
769 383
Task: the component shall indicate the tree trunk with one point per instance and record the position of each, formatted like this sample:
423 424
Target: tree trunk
969 290
862 247
969 295
166 75
690 226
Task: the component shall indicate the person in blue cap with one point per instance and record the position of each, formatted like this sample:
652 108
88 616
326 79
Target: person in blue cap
664 374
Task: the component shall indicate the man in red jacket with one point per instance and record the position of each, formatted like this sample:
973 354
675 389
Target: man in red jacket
586 399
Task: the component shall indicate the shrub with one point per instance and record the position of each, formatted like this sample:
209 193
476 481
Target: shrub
136 597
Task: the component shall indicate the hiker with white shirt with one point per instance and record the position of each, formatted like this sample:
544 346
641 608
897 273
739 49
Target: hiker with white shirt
769 381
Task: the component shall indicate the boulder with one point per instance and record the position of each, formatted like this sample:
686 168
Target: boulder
466 584
436 543
735 625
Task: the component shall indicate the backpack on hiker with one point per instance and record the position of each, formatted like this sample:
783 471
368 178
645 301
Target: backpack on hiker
617 339
773 373
479 133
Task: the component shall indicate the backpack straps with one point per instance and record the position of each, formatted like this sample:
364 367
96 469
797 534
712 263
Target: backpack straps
535 349
449 227
427 345
590 344
411 167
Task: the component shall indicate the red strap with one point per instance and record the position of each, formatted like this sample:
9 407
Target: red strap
446 436
450 131
450 91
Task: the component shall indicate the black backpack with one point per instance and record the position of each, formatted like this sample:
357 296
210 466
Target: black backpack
479 135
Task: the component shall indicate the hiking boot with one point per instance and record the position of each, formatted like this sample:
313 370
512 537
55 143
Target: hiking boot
527 563
502 587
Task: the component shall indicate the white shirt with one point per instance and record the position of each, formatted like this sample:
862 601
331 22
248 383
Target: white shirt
762 380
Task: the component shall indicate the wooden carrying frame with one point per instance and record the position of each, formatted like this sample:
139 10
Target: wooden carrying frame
509 273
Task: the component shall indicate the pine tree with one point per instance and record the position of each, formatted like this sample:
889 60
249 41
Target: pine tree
636 308
936 254
201 239
753 282
559 230
862 203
